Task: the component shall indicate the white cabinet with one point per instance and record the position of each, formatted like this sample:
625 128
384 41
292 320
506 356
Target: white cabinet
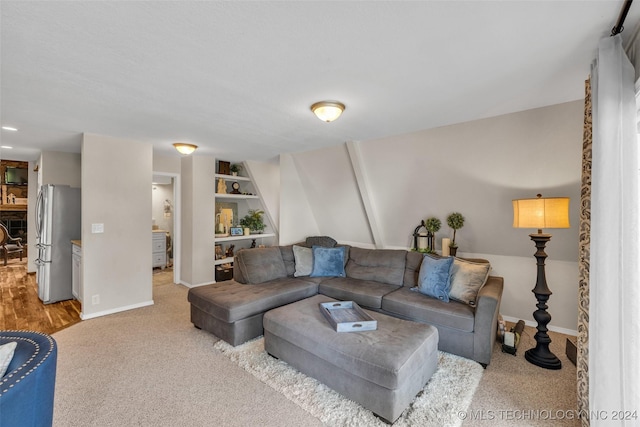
159 249
76 271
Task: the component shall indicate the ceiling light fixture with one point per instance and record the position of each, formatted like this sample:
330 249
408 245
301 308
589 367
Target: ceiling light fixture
6 146
327 111
12 129
184 148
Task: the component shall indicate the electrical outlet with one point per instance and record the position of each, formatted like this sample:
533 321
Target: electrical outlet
95 300
97 228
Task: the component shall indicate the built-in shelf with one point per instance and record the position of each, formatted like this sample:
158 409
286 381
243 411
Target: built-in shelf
232 178
14 208
241 204
226 260
249 237
235 196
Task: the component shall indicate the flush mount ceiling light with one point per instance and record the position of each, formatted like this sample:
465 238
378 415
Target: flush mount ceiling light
184 148
327 111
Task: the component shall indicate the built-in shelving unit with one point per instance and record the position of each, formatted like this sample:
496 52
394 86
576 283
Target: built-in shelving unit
240 204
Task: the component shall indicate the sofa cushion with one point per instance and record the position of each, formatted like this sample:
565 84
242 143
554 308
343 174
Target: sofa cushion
412 268
260 265
231 301
435 277
367 293
467 277
380 265
421 308
328 262
303 260
288 258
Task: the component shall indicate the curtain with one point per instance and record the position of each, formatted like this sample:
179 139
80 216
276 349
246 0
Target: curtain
582 358
614 276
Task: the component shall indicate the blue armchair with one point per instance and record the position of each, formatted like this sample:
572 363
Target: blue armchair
27 388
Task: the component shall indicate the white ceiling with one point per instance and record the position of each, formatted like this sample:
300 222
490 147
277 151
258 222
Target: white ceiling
237 78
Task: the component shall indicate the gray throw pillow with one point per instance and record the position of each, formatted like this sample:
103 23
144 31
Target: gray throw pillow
260 265
304 260
324 241
467 277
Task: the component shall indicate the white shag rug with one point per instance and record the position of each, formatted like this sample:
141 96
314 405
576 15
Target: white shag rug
444 398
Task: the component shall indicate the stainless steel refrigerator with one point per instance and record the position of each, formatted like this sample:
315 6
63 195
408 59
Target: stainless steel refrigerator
57 223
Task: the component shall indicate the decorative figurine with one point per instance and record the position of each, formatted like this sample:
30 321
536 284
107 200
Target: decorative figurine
222 186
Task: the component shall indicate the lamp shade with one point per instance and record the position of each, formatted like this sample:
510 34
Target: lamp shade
551 212
184 148
327 111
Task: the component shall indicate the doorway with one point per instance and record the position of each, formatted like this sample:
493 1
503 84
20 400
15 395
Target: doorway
166 215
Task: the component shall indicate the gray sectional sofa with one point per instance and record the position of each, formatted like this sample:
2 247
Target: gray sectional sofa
377 279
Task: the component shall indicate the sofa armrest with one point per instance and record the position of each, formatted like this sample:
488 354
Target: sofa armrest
486 318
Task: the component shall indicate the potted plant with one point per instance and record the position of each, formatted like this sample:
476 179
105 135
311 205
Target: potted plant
455 220
432 224
253 220
235 169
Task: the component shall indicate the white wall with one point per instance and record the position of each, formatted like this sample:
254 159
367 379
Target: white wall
475 168
198 219
32 253
297 218
60 168
116 182
265 177
164 163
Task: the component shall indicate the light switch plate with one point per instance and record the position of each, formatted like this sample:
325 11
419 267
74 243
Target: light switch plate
97 228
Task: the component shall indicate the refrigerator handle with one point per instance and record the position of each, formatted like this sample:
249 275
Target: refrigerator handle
38 214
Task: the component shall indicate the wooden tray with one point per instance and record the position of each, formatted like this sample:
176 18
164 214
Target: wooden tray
347 316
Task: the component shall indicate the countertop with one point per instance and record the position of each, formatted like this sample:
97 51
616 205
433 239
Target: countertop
77 242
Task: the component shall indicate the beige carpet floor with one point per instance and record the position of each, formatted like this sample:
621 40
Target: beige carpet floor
151 367
447 394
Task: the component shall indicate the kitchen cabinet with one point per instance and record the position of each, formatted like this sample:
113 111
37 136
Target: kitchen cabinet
76 269
159 249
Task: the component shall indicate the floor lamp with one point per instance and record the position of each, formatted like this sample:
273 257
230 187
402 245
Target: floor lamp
552 212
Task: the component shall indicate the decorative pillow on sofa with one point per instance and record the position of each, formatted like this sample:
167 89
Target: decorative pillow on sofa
6 354
435 277
304 260
324 241
259 265
467 277
328 262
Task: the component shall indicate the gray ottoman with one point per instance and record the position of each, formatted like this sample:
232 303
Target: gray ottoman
382 370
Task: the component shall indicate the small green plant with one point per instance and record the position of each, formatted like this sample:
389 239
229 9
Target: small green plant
253 220
432 224
236 168
455 220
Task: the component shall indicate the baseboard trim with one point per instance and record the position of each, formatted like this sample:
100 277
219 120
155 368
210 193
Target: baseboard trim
189 285
550 327
84 316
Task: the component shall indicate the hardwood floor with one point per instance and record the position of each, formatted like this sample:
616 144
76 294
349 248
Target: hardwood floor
20 307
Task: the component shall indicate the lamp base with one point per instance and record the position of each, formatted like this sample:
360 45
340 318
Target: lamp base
542 357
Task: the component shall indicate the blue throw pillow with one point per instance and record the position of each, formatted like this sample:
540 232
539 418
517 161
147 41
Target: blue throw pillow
435 277
328 262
